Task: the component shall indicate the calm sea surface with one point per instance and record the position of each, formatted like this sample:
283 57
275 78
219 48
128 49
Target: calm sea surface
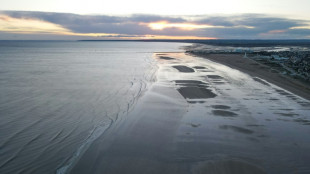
56 98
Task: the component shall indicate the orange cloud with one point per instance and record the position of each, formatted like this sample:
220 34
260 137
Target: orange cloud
16 25
272 32
276 31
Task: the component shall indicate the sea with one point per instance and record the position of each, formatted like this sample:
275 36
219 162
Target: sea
57 97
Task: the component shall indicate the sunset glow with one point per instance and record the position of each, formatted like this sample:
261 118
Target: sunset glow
175 37
184 26
187 26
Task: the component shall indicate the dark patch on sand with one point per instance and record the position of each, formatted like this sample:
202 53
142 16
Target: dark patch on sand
224 113
304 103
161 54
273 99
236 129
262 136
252 139
194 102
189 83
261 81
287 114
273 71
166 58
255 125
194 125
217 80
285 109
219 83
199 67
281 119
214 77
196 93
294 98
183 69
220 107
194 89
227 167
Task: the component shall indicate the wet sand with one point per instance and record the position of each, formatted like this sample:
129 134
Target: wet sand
253 68
188 123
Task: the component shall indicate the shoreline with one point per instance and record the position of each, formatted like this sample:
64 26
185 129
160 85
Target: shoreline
256 69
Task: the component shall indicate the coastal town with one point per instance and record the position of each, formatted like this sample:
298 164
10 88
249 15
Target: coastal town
292 61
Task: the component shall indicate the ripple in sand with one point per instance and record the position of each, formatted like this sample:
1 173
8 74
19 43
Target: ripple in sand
232 166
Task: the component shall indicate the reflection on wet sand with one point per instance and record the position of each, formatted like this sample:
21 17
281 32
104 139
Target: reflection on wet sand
194 89
196 93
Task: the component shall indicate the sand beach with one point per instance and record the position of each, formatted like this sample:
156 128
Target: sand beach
204 117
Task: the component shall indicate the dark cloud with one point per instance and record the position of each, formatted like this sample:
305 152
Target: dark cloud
244 26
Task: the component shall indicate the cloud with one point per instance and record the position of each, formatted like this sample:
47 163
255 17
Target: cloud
243 26
29 25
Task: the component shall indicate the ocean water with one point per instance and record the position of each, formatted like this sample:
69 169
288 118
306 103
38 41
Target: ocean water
57 97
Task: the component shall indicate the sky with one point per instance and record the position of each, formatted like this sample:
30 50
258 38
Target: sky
160 19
